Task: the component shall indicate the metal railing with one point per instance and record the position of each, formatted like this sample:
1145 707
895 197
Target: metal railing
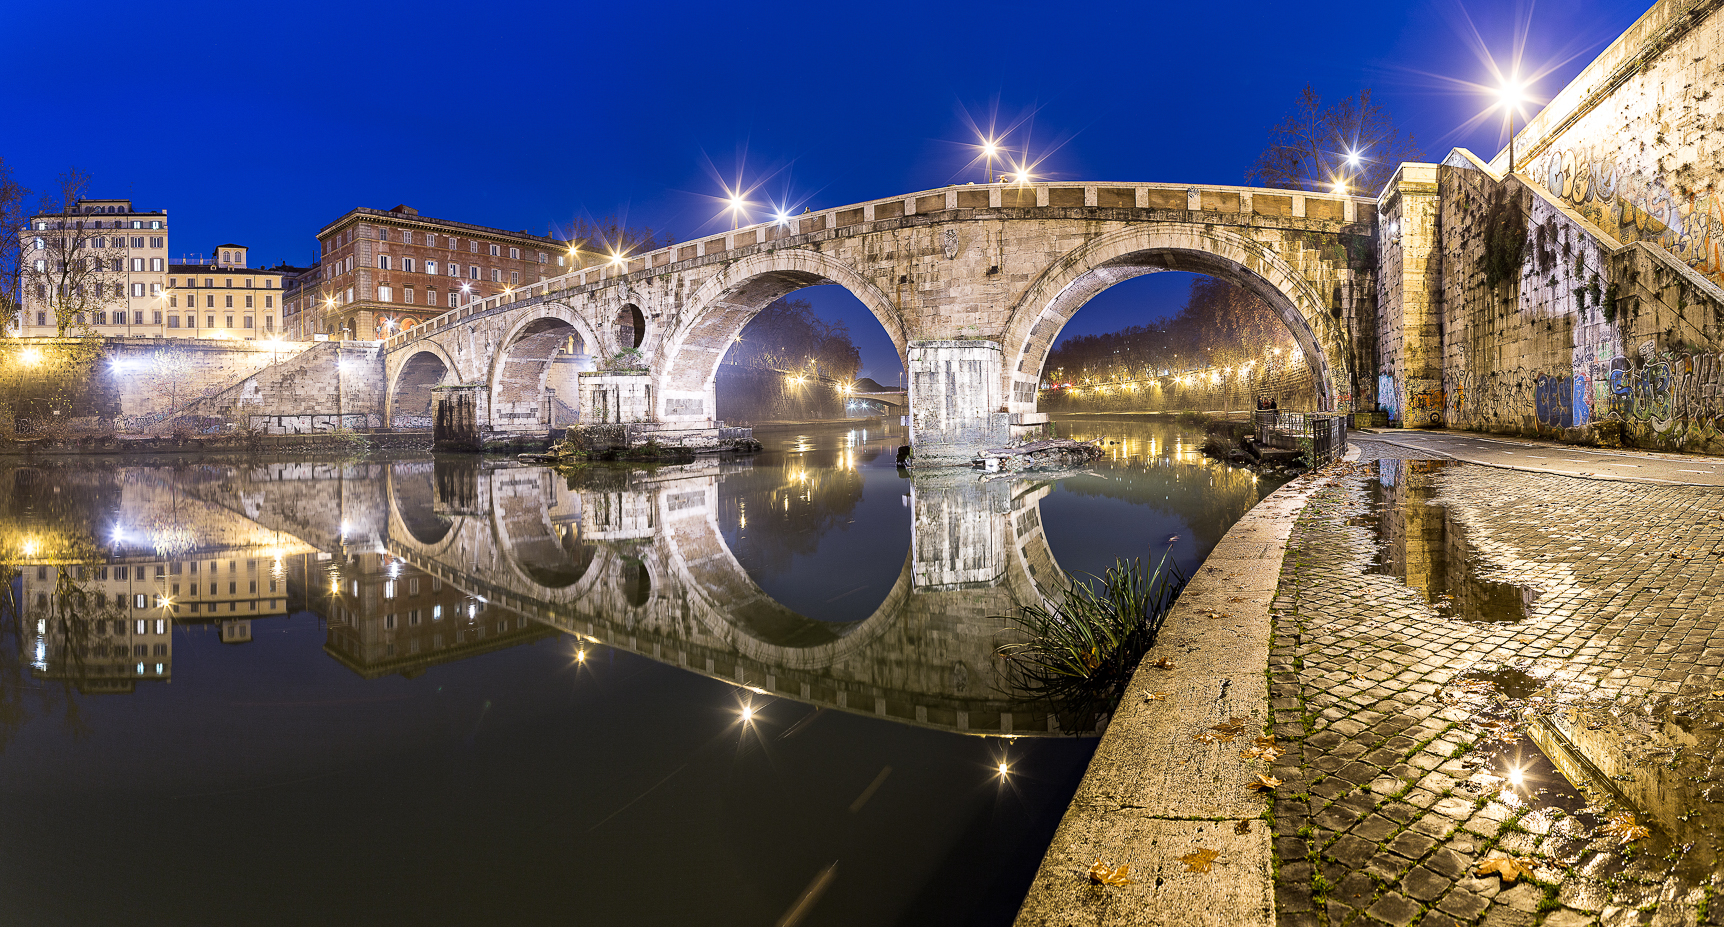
1322 437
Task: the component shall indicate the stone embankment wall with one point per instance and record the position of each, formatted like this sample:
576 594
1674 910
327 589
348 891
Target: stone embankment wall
750 395
1577 298
85 386
330 385
1293 391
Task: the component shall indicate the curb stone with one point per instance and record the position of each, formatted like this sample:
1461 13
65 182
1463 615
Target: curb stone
1154 793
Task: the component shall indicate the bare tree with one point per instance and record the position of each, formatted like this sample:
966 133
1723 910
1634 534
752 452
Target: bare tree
12 222
1312 148
74 273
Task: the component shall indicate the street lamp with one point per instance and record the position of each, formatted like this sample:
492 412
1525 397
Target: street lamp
990 150
1511 97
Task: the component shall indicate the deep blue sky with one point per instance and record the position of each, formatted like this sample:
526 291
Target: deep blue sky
260 123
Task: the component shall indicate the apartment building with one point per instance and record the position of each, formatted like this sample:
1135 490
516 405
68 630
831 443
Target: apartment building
225 298
382 271
129 248
119 628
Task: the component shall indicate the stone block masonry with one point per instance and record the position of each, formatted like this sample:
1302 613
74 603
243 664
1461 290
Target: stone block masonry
329 385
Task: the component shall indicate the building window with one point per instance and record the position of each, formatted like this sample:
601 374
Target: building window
407 264
229 301
230 321
137 242
209 321
406 237
156 241
473 271
515 277
158 315
383 262
248 301
173 321
473 246
269 302
542 257
496 250
155 289
173 302
269 323
496 275
248 320
155 265
209 301
248 283
385 294
454 269
42 317
431 267
138 290
191 320
137 265
407 295
514 254
451 304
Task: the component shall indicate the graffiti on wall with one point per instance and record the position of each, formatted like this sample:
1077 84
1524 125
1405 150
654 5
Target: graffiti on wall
1632 206
312 424
1678 395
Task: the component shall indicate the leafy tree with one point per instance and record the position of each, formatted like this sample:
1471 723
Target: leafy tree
787 336
1309 149
1221 325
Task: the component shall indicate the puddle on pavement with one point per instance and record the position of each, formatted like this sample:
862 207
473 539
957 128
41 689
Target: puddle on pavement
1419 543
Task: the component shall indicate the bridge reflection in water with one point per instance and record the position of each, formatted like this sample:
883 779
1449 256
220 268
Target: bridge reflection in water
433 561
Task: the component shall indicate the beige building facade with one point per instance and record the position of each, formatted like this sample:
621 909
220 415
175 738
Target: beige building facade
132 246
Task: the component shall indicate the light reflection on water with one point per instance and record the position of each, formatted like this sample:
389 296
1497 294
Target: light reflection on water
633 697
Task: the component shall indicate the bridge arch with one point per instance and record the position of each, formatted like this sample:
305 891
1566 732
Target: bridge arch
407 399
1146 248
522 367
719 309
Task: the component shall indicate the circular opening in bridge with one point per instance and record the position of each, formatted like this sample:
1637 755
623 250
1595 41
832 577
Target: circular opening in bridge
538 383
630 327
411 406
554 556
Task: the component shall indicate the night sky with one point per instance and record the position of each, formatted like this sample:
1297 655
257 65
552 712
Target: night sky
259 124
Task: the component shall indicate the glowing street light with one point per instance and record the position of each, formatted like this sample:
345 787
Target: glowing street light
1511 96
1353 160
990 151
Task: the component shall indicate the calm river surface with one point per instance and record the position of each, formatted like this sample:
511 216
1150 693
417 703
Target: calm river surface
437 691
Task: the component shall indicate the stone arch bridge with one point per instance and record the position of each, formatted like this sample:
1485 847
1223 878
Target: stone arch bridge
972 283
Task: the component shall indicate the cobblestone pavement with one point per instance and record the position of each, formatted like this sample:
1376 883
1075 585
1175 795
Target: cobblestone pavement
1408 608
1551 457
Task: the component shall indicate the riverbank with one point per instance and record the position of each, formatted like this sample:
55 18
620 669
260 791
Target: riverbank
1437 641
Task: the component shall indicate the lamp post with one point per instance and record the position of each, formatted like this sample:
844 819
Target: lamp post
1510 94
990 150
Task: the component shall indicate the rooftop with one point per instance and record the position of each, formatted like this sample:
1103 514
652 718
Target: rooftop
409 215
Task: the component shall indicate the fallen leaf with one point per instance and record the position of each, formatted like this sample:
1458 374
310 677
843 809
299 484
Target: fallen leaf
1201 860
1263 784
1232 726
1163 663
1100 874
1211 737
1509 868
1237 598
1623 827
1265 753
1155 697
1243 827
1268 741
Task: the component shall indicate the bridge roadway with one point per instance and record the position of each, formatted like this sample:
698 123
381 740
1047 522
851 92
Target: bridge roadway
972 283
639 563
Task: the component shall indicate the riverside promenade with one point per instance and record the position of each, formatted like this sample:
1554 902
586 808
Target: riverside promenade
1484 689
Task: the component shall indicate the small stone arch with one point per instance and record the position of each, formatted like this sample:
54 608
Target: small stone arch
629 326
1064 288
523 362
411 379
690 355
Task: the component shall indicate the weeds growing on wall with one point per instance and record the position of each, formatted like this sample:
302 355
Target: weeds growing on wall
1505 237
1081 647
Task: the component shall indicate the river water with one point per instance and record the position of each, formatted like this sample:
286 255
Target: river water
423 690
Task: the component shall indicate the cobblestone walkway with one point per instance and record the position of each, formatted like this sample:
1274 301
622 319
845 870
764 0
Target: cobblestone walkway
1385 683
